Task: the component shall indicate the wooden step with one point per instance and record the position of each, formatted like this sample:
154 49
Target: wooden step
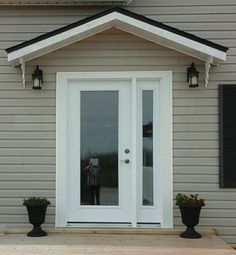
134 231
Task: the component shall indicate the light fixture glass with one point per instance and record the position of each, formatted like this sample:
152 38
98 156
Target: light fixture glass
37 78
192 76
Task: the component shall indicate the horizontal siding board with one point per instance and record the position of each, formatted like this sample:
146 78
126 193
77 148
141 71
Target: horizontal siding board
196 178
28 127
27 110
27 143
113 61
152 3
27 93
27 177
15 160
196 127
181 118
204 170
21 102
196 161
185 9
194 18
195 102
27 152
30 135
196 144
27 185
197 187
191 135
30 168
106 53
27 118
198 153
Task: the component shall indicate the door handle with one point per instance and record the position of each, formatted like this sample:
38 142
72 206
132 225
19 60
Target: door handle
126 161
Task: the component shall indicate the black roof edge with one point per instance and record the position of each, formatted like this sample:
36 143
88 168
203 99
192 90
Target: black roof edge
127 13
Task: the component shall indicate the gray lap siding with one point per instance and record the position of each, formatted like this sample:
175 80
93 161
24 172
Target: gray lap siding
27 117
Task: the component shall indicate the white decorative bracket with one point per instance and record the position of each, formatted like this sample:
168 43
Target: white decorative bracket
22 65
208 63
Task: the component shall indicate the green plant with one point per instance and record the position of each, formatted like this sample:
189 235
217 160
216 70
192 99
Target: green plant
36 201
182 199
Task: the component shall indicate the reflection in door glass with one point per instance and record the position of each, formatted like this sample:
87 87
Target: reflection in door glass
147 122
99 148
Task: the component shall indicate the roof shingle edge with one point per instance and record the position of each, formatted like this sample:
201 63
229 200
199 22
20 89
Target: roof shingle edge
124 12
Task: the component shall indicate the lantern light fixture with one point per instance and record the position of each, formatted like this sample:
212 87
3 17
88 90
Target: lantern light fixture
37 78
192 76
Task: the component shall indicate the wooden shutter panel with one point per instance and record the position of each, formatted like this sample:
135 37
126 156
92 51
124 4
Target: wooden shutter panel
227 132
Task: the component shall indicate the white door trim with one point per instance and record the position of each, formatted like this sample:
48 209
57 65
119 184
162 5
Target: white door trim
62 81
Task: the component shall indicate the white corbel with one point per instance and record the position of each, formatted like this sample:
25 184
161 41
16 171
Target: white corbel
22 65
208 63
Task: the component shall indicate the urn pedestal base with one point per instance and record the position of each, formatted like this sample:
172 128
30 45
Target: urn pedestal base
191 233
37 232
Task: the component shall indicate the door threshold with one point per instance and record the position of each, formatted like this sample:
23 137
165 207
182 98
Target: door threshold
111 225
98 225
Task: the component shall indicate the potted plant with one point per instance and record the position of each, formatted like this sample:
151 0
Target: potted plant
190 208
36 207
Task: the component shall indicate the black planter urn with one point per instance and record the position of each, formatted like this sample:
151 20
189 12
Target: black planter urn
190 218
36 215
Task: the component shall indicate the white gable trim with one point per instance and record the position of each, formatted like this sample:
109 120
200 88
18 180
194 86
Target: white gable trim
123 22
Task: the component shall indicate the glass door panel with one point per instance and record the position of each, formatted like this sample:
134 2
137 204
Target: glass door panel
147 123
99 148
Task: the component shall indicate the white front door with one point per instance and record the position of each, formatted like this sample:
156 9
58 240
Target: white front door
114 149
100 169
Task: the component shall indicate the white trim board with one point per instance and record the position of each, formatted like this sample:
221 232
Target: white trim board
124 22
63 79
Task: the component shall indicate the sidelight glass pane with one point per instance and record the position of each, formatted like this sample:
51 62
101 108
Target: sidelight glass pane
99 148
147 123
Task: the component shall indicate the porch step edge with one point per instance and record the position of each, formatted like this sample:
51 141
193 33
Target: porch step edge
135 231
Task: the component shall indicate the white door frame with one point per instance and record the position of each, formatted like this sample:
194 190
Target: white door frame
165 78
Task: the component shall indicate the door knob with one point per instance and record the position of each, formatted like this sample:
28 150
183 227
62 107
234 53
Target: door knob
126 161
127 151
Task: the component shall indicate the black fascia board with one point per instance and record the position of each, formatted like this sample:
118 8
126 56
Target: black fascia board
124 12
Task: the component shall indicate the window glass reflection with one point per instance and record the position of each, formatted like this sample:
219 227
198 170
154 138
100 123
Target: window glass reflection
147 123
99 148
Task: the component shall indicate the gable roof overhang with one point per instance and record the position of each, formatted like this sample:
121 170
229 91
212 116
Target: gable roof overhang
64 2
125 20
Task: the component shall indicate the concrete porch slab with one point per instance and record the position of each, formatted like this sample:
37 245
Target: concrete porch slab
112 243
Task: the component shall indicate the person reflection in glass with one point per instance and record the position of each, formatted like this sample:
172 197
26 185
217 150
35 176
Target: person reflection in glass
93 180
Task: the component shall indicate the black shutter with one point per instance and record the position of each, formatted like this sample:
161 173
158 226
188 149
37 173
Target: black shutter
227 133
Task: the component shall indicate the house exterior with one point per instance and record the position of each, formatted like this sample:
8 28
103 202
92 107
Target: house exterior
115 99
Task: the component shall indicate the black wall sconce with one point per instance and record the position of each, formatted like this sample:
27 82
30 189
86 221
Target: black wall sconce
192 76
37 78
